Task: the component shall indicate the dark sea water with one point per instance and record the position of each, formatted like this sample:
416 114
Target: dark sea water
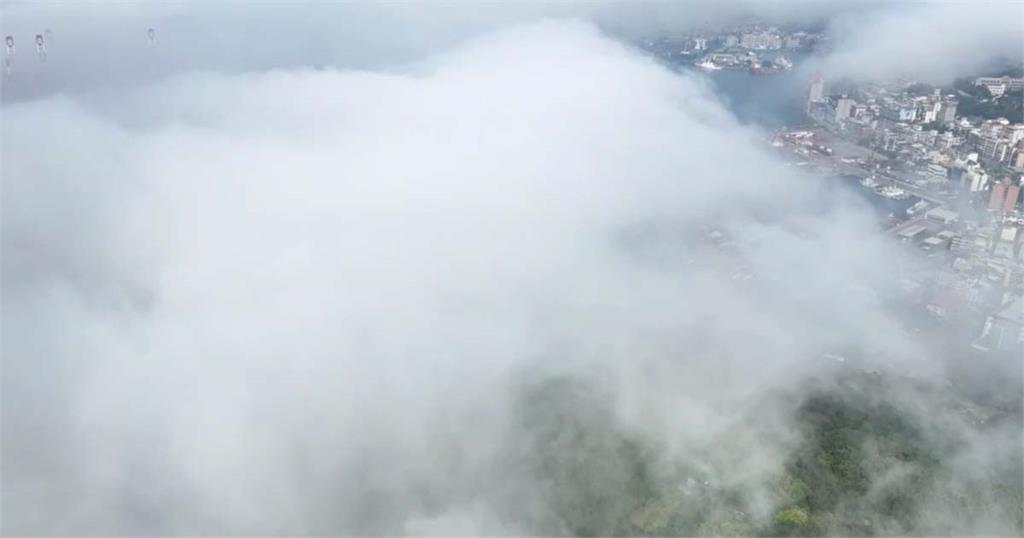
770 101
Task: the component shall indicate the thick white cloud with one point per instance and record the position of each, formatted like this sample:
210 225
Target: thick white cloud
309 301
930 41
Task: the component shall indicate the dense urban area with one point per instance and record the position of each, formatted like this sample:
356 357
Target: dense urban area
944 164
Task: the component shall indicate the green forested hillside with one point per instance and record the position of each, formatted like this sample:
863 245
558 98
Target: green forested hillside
877 455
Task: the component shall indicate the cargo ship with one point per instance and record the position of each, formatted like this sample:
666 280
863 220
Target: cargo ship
771 67
893 193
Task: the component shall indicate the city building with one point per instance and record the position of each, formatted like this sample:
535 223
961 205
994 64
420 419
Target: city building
1012 196
844 106
946 141
761 41
943 215
912 232
936 172
976 179
999 85
992 149
928 110
1003 331
1017 159
947 111
898 111
816 93
1014 133
998 197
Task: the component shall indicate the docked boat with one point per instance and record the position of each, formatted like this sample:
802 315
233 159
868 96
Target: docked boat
920 206
708 65
893 193
770 67
764 69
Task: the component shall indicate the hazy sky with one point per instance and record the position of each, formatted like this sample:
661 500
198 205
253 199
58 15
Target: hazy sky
289 270
105 45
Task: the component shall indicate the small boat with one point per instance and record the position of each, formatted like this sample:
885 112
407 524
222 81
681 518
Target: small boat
708 65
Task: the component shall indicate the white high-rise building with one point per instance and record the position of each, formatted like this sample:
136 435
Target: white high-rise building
816 93
1014 132
843 107
931 111
947 111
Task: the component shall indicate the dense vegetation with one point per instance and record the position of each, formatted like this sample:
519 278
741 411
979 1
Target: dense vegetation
976 101
867 464
868 467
